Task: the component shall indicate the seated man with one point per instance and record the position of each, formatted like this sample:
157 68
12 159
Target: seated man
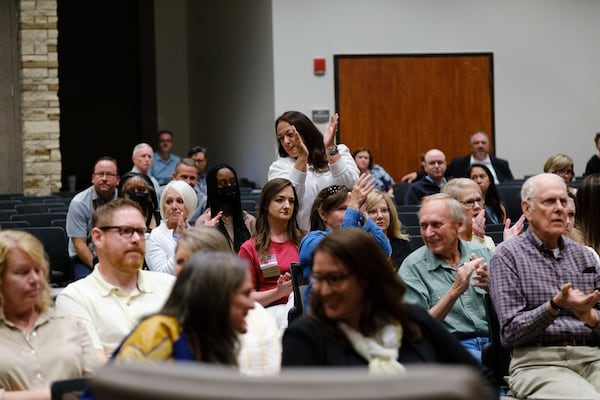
544 287
164 161
186 171
448 276
117 294
435 167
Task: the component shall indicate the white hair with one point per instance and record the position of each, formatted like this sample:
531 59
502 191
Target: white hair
190 199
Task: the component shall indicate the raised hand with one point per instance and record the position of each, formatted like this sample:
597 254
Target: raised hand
515 230
329 136
363 186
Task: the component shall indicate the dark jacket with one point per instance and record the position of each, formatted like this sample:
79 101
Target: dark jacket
305 345
419 189
459 166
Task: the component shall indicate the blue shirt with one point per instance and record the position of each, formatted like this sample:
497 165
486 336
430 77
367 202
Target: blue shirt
163 170
383 180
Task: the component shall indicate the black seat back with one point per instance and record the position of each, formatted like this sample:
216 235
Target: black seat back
299 284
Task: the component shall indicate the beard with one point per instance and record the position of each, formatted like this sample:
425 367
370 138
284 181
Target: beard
129 262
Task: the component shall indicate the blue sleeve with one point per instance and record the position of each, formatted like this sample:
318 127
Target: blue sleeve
352 219
307 246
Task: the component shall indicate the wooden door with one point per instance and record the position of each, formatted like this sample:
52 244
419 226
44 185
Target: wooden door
400 106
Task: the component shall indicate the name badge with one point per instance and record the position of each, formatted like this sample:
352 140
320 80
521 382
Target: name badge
269 266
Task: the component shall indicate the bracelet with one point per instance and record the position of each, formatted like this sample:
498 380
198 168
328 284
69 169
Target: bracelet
332 150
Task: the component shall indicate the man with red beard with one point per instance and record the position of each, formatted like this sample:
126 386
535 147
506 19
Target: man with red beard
449 276
544 287
117 294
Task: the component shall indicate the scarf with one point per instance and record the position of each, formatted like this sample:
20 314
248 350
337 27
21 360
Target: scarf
381 351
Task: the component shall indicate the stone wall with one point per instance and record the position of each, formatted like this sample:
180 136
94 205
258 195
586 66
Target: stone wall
40 110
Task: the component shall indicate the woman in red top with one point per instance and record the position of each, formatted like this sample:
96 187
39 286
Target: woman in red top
275 246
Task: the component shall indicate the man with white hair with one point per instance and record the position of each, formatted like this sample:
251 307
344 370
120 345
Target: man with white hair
142 162
544 287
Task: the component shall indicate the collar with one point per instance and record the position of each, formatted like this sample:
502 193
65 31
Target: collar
486 161
428 179
96 197
537 243
105 288
434 261
41 319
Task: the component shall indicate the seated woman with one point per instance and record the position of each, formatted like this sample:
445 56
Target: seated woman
38 346
495 210
274 248
562 165
201 318
382 210
358 317
224 209
336 207
364 161
260 346
469 196
177 201
139 188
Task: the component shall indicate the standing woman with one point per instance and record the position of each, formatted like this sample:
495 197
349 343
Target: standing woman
364 162
177 202
274 248
495 210
382 210
224 209
310 160
37 345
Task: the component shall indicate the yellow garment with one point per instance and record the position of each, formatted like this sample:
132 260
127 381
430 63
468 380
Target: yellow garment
151 340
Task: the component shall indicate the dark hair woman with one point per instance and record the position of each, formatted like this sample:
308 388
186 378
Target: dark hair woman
138 187
495 210
359 319
224 209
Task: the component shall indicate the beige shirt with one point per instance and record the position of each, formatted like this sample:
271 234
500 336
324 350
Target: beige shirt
260 346
108 313
59 347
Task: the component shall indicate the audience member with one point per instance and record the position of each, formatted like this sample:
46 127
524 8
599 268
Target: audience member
432 182
112 299
381 209
138 188
587 216
359 318
105 179
310 160
469 196
544 289
495 210
186 171
142 161
177 200
260 346
336 207
561 165
364 162
39 346
199 154
274 248
201 318
164 162
449 276
593 165
480 154
224 209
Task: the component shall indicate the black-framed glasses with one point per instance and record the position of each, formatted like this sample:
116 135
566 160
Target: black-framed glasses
126 231
333 279
470 203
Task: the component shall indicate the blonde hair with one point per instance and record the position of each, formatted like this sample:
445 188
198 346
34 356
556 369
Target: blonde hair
395 228
19 240
203 238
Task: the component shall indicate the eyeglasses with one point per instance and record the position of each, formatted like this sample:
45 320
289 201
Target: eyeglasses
565 172
373 212
470 203
333 279
127 232
549 202
105 175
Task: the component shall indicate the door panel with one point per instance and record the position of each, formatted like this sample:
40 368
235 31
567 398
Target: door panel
402 105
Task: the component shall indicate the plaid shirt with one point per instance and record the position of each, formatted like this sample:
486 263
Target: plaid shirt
525 275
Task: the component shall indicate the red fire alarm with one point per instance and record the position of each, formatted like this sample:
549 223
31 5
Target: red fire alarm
319 66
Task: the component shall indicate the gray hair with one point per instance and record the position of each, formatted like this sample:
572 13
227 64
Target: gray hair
456 211
530 186
139 147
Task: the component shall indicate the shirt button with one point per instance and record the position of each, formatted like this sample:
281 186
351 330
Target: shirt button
39 375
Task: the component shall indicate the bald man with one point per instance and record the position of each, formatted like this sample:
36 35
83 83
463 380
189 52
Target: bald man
432 182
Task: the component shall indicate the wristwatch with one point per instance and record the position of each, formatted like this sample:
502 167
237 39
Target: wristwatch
556 308
332 150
